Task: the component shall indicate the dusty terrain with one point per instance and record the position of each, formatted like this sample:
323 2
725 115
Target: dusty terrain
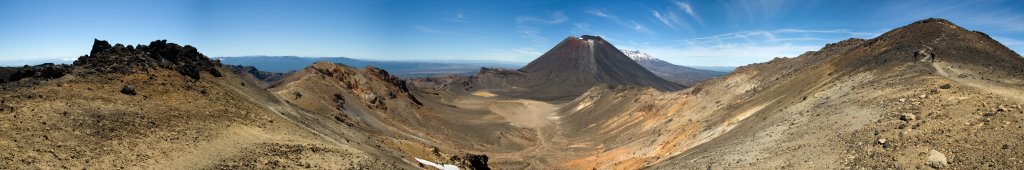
83 120
854 104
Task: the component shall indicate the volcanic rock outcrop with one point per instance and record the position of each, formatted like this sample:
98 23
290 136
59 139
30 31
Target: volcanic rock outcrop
118 58
265 78
44 71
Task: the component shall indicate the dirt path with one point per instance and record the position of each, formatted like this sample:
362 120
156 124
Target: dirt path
545 139
204 155
948 71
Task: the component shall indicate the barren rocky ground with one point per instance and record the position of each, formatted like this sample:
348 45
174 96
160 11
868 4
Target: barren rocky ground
854 104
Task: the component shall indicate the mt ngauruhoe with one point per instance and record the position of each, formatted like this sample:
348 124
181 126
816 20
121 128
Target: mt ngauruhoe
577 63
930 94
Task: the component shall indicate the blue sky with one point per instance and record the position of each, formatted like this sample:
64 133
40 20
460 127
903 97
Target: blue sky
685 32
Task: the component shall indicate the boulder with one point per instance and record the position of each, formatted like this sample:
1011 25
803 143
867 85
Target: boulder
1002 108
99 46
945 86
907 117
471 161
45 71
936 159
129 90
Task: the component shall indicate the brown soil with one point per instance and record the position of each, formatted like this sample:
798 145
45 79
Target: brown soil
856 104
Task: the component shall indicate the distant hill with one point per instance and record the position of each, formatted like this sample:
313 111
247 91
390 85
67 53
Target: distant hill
715 68
284 64
671 72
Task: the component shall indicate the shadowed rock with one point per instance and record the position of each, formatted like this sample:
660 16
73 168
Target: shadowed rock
118 58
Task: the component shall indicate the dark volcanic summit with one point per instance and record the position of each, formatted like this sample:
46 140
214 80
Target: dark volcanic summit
589 60
578 63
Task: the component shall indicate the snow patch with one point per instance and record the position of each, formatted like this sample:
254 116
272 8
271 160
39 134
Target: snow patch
637 55
438 166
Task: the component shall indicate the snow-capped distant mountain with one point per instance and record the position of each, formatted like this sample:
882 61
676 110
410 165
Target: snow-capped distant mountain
636 55
676 73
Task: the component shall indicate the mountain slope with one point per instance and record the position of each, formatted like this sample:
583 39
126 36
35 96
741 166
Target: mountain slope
378 112
569 69
671 72
926 95
161 106
853 104
873 105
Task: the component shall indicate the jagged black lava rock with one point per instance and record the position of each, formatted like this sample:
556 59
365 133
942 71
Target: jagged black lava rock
472 161
45 71
118 58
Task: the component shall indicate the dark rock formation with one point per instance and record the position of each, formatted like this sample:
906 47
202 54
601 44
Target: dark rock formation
391 79
45 71
187 60
471 161
99 46
384 75
434 85
129 90
264 76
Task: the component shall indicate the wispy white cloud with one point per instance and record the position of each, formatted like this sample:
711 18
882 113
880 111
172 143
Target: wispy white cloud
786 35
730 54
556 17
581 28
664 19
512 55
640 27
992 17
600 13
631 24
686 7
741 48
457 17
834 31
757 11
525 30
670 19
427 29
527 51
530 33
